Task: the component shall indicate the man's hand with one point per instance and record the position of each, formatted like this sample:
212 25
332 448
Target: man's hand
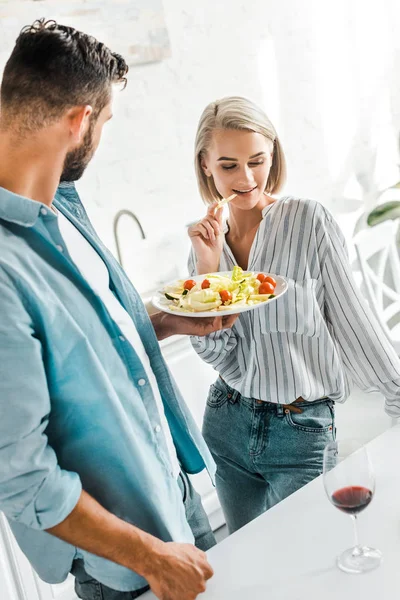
177 571
173 571
166 325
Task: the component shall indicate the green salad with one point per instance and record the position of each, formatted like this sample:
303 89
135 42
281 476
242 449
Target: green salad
218 292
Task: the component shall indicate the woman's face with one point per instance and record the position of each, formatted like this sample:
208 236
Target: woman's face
239 162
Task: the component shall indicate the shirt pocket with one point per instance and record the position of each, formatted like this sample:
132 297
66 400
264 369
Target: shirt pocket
297 311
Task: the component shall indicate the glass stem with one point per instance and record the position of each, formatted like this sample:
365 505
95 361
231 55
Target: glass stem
357 548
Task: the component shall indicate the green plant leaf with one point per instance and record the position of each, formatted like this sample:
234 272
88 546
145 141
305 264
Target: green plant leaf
384 212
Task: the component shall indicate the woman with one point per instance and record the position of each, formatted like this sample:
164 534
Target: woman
283 365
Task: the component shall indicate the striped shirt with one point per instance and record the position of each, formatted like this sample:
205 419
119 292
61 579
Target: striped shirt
321 335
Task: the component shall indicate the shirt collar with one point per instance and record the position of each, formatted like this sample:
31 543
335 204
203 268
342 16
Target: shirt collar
266 208
20 210
66 184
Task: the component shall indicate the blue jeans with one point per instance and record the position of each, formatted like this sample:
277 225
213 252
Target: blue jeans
87 588
264 452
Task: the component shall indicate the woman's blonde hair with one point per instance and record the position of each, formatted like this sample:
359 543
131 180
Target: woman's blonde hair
235 112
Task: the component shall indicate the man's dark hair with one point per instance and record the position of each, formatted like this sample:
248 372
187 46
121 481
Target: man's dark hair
52 68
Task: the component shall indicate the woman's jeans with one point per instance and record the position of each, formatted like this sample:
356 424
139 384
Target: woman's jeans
264 452
88 588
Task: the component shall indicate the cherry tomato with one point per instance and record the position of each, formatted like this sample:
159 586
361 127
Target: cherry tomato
266 288
260 277
270 280
225 296
206 284
189 284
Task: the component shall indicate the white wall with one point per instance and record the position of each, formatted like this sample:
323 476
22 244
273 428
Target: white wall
326 72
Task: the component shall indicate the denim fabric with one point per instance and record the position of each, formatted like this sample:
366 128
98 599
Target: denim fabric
196 515
88 588
264 452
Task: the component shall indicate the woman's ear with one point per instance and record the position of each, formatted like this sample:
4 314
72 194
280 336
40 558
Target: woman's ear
204 167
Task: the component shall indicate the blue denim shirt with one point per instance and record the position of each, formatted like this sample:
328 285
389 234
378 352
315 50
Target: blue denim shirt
72 414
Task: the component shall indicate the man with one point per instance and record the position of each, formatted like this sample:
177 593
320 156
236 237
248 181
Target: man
92 428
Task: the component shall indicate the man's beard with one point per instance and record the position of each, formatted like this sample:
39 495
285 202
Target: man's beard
77 160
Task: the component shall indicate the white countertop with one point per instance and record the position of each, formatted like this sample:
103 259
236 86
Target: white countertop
289 552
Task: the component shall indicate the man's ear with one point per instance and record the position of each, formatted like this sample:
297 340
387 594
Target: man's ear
78 119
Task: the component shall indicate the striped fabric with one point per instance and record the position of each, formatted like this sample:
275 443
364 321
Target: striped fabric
320 336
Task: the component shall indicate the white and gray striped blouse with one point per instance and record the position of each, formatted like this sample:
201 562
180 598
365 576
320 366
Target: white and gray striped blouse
320 335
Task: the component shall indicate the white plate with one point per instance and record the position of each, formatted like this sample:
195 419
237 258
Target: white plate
162 303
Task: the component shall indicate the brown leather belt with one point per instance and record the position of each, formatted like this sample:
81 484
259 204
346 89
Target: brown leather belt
290 407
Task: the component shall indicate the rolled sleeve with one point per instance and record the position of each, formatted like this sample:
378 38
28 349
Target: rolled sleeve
34 490
56 499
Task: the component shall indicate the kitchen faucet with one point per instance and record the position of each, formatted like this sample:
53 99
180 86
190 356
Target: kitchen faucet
117 217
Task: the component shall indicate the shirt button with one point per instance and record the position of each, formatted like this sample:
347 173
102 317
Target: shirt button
60 248
141 382
121 337
157 428
43 211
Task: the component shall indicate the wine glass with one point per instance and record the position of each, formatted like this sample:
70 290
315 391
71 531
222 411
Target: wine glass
350 484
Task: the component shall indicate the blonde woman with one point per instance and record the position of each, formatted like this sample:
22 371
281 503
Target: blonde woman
282 366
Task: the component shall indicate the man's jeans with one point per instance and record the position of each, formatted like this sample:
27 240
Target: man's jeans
87 588
263 451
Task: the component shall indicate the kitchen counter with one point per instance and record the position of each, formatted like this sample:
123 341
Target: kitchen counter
289 553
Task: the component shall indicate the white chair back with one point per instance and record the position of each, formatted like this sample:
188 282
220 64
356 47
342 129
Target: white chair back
378 257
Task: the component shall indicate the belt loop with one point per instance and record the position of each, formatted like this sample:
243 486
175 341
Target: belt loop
232 395
235 397
279 410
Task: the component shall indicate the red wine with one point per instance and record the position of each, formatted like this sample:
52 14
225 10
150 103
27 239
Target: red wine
352 499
